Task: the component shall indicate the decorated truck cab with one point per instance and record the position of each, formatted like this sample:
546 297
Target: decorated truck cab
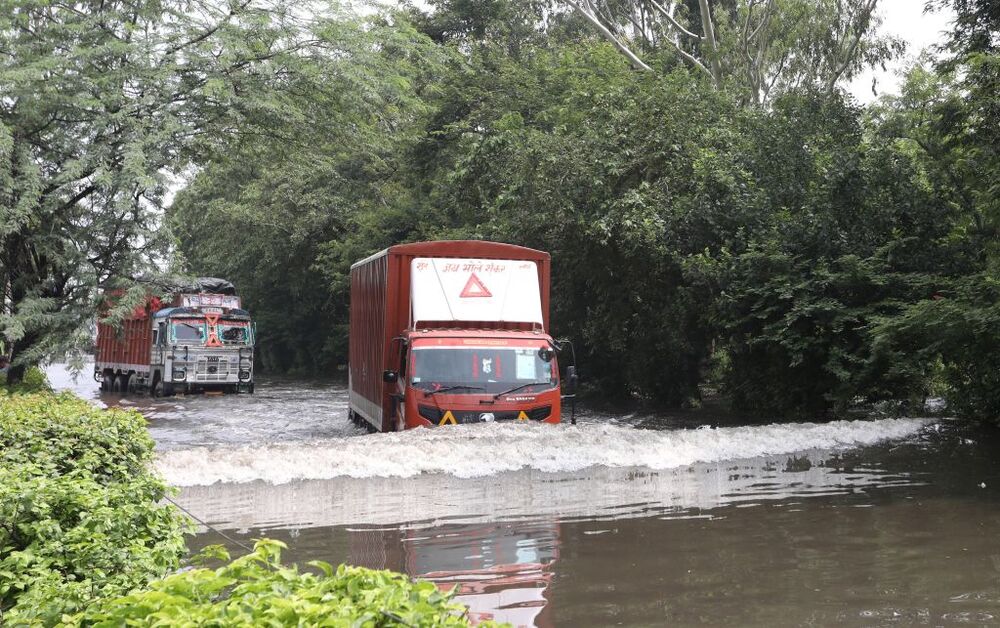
444 333
200 339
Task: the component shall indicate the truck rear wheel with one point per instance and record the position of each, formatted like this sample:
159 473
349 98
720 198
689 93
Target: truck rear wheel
106 383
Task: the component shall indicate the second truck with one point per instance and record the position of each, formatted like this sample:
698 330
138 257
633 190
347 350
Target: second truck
199 339
451 332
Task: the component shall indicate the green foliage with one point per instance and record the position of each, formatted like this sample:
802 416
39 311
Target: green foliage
34 381
848 235
257 590
101 103
262 211
79 512
959 329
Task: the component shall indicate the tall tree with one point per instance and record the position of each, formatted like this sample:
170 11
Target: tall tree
99 102
759 46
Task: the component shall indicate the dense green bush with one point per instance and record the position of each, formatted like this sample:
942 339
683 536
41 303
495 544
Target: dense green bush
34 381
85 535
257 590
80 512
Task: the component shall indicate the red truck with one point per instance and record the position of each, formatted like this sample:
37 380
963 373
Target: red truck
197 340
451 332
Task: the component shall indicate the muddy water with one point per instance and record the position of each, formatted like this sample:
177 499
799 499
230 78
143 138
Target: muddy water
620 520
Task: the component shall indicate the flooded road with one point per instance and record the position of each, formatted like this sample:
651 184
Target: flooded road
620 520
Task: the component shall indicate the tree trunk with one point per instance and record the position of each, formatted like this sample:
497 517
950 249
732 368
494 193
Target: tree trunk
708 31
15 375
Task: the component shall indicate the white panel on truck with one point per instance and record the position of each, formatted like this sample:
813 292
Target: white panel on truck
201 300
451 289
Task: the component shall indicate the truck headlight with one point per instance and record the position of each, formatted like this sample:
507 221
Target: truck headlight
179 373
244 374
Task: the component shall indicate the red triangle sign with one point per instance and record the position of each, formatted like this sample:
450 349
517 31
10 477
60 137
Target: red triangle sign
474 288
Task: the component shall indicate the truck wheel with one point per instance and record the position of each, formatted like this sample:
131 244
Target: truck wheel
131 383
106 383
116 383
161 388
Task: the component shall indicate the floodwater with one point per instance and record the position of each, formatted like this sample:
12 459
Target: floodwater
623 519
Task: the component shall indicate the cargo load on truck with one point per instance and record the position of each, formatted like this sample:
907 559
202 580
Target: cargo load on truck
450 332
196 339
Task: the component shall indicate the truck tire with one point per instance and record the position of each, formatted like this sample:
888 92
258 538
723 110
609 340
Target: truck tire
117 385
161 388
131 383
106 383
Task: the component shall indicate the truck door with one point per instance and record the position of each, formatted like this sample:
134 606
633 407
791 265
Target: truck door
400 394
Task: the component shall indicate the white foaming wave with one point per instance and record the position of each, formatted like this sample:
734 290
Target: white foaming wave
489 449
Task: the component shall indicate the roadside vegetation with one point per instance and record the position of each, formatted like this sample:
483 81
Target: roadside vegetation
718 210
86 539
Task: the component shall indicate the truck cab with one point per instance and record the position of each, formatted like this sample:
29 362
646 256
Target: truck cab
475 376
198 349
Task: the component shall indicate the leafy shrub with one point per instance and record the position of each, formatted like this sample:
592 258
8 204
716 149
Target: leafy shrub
34 381
84 536
80 517
957 334
257 590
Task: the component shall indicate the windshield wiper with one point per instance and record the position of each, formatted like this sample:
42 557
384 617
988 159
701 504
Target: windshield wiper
428 393
517 388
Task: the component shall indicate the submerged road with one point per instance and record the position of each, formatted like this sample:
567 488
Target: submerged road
623 519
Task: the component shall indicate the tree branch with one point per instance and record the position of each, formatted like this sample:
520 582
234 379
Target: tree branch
673 22
636 62
862 26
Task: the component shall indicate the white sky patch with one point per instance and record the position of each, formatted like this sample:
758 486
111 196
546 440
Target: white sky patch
919 29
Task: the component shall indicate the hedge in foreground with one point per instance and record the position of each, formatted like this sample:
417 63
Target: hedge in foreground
257 590
86 540
81 516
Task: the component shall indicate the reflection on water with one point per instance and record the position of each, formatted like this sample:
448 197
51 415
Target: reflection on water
501 570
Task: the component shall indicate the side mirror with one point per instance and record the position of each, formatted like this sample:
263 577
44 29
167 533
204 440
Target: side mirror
571 379
390 377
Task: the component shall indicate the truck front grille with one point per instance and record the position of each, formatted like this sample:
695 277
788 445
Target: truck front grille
434 415
207 370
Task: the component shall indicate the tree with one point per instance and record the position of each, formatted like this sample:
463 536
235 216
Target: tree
282 214
758 46
100 101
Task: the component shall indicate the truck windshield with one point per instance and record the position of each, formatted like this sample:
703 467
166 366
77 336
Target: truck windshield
191 330
234 332
483 369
